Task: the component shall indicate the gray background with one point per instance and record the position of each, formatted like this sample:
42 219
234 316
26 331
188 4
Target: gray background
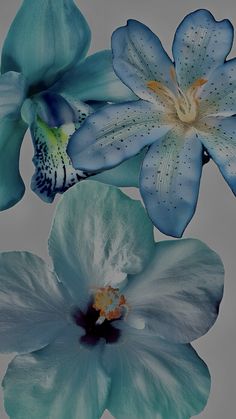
26 226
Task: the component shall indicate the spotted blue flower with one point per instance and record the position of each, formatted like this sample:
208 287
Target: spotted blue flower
47 84
109 326
185 115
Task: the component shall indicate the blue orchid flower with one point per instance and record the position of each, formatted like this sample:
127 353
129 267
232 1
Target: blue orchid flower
110 326
45 83
185 113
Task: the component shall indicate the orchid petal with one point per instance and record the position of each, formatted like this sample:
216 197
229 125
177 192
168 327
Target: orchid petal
45 39
11 184
94 79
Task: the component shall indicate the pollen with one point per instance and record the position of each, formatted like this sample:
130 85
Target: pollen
109 303
186 103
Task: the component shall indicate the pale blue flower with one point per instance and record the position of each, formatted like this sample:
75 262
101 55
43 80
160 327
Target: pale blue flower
110 325
45 83
186 109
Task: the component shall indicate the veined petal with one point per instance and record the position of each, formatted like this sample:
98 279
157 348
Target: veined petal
218 95
62 381
124 175
178 295
154 379
116 133
200 45
139 57
170 178
218 135
33 305
94 79
45 39
11 184
99 235
12 93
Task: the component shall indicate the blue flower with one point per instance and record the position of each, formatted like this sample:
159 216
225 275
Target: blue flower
185 114
45 83
110 326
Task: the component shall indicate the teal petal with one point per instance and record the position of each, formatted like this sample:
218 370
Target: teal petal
94 79
33 305
178 295
201 44
11 184
12 94
46 38
62 381
124 175
154 379
99 235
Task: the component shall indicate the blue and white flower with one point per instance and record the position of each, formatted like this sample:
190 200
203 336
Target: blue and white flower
49 85
186 111
110 325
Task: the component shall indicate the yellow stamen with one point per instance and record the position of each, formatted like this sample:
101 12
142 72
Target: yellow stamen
185 103
109 303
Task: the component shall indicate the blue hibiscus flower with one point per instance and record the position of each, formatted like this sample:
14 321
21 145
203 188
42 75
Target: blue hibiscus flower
49 85
186 110
110 326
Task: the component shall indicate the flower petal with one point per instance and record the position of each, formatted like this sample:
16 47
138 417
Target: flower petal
153 379
94 79
99 235
124 175
138 57
218 135
114 134
12 93
64 380
169 180
52 120
46 39
11 184
178 294
200 45
33 305
218 96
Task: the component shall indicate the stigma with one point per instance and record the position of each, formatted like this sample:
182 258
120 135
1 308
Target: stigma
109 303
186 104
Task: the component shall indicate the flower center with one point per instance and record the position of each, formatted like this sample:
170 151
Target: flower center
109 303
106 306
186 103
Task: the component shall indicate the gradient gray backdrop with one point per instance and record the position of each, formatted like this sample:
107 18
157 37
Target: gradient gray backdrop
26 226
